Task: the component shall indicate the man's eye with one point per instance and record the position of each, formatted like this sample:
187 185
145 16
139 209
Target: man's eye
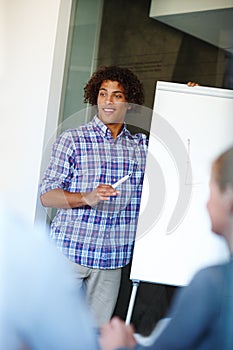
118 96
102 94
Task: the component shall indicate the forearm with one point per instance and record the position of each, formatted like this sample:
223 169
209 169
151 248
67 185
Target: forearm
59 198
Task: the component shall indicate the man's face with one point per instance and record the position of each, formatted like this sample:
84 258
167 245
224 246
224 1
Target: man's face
112 104
218 208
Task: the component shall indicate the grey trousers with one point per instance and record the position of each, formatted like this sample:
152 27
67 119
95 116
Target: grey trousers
101 288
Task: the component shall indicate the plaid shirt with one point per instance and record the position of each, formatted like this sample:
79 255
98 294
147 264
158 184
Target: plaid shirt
101 236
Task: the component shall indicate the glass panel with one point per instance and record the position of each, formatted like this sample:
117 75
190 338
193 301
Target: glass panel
81 59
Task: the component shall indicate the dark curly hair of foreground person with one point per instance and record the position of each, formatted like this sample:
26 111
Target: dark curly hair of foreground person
133 88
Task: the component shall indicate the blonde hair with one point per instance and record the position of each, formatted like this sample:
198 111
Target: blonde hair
223 169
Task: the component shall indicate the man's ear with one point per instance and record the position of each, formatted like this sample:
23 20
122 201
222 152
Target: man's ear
228 197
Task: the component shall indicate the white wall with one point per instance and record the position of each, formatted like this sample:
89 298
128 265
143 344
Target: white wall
33 45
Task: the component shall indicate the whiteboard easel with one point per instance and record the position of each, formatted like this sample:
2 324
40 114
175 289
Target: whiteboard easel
172 244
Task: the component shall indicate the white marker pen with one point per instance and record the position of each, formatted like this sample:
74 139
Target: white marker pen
123 179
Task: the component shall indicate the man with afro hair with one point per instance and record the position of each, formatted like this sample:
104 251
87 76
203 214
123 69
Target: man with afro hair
97 215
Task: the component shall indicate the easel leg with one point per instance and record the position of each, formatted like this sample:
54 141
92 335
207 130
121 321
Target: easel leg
132 301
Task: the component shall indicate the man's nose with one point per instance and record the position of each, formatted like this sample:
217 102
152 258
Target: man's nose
109 99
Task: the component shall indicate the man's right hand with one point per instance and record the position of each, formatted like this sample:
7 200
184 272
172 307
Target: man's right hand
100 193
116 334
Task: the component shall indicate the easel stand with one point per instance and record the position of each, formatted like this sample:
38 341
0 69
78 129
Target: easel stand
135 284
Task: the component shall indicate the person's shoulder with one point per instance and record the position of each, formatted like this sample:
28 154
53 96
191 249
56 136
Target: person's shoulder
205 285
75 134
75 131
140 138
213 269
211 275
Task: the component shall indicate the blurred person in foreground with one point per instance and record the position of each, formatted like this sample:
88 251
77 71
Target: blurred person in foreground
40 308
201 316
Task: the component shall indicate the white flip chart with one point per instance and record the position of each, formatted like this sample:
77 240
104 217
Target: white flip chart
190 127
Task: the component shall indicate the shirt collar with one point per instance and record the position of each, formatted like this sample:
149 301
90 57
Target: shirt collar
104 130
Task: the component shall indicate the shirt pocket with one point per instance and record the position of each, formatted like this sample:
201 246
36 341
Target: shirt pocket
126 189
88 174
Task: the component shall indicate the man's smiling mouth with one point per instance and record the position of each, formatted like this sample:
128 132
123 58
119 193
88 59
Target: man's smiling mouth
108 110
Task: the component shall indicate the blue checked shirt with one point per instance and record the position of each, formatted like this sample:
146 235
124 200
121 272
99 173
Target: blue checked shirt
102 236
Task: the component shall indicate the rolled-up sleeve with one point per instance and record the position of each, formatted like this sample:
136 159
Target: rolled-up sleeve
60 169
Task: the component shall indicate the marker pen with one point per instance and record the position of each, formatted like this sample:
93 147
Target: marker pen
123 179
